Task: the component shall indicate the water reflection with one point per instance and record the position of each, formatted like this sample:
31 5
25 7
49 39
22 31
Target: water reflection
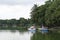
47 36
16 35
28 35
32 31
44 31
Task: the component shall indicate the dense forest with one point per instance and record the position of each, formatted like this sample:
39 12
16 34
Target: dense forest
47 15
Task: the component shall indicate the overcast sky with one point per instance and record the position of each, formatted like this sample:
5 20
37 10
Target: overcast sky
10 9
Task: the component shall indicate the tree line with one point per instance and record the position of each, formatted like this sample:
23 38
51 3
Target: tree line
15 24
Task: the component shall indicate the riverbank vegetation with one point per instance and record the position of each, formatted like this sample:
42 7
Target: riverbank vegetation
47 14
22 23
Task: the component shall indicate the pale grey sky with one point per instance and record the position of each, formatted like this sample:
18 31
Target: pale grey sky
17 8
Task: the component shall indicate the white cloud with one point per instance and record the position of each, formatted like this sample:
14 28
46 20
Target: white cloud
16 11
17 2
17 8
21 2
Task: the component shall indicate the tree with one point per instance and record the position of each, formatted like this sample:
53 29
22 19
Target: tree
47 14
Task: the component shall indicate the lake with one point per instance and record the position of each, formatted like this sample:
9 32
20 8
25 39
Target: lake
51 35
27 35
14 35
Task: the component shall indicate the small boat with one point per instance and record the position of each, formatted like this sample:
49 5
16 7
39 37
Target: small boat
31 29
43 29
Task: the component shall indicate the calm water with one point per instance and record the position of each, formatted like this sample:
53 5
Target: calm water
51 35
14 35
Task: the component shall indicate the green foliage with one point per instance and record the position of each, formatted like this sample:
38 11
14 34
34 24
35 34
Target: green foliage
47 14
15 24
